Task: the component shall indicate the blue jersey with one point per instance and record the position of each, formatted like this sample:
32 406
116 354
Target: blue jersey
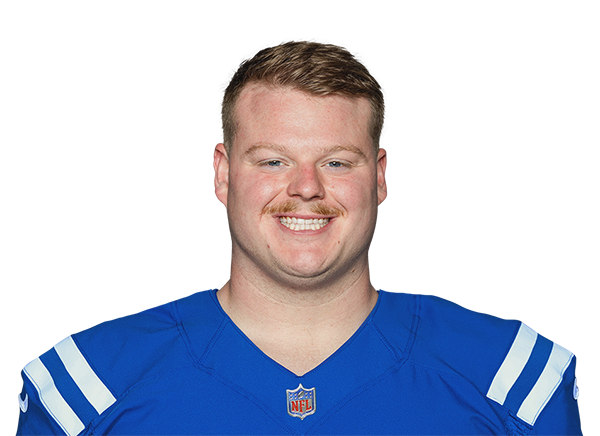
417 365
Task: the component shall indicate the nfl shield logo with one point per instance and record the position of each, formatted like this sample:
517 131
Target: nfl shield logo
301 402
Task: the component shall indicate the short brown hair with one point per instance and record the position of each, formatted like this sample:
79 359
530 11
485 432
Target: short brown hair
315 68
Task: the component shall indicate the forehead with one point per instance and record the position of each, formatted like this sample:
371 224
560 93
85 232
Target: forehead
286 115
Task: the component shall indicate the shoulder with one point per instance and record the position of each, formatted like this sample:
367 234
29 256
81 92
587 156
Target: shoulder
123 349
448 332
85 374
505 360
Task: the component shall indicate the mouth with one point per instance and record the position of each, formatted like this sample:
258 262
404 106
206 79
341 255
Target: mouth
300 224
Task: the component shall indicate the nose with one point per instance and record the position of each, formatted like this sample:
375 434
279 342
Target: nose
306 184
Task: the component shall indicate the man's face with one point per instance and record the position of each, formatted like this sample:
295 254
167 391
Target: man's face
301 185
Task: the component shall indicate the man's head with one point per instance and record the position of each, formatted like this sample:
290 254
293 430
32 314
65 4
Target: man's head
302 176
314 68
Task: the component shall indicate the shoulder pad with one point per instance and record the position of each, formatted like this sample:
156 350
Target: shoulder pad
529 375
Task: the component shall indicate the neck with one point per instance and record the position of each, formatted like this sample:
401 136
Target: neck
298 327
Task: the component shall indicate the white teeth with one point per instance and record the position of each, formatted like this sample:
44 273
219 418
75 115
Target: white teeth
303 224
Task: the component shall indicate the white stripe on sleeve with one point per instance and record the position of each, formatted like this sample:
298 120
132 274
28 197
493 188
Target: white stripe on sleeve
52 400
513 364
544 388
84 376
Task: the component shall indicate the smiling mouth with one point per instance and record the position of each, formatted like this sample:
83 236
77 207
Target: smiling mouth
303 224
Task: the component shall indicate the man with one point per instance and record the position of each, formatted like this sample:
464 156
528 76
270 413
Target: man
298 341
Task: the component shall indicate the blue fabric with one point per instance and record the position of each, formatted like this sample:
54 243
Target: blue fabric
532 371
417 365
67 387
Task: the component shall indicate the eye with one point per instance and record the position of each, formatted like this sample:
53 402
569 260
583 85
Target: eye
273 163
335 164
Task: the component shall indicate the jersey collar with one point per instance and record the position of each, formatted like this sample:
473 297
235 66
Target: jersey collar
221 349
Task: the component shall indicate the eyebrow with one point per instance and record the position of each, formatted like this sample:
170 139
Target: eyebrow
325 150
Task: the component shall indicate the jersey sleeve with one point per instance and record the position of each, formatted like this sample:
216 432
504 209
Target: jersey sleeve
536 385
561 414
33 417
62 394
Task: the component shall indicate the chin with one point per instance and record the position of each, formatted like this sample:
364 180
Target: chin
300 272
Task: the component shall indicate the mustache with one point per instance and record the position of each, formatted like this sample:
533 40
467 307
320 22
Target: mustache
292 206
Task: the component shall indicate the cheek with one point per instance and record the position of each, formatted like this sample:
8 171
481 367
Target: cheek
355 196
254 191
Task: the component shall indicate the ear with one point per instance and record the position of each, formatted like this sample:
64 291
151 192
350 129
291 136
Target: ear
221 166
381 166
